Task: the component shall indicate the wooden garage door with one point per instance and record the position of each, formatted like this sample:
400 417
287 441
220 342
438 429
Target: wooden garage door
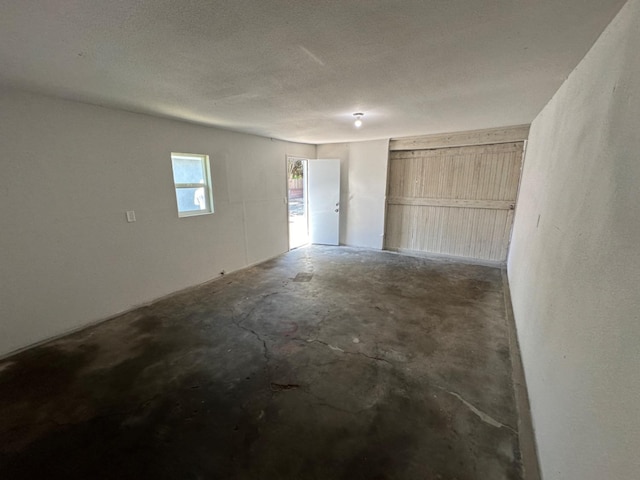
453 201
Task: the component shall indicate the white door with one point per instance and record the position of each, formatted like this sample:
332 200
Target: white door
324 201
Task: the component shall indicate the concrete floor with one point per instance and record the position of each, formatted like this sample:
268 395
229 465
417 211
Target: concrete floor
325 363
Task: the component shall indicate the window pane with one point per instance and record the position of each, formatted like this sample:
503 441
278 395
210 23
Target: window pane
192 199
188 169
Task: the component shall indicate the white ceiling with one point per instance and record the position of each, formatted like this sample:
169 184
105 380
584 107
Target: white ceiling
296 69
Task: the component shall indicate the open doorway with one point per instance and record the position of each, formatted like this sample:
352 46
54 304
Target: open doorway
297 201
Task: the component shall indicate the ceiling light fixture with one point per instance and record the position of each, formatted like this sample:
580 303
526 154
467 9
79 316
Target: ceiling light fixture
358 122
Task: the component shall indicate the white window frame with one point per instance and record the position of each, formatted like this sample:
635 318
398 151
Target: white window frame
206 184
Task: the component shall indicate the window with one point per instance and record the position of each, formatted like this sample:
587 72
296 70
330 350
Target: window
192 179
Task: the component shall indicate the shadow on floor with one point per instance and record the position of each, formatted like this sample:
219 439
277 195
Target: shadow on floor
376 366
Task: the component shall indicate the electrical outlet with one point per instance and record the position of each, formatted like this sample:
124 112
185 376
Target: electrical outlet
131 216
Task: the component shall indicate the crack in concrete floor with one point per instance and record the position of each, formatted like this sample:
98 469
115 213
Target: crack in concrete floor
488 419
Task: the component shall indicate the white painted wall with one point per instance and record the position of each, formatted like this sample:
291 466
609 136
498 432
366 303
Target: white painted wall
574 264
68 173
363 190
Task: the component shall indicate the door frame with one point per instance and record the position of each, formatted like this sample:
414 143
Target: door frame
286 198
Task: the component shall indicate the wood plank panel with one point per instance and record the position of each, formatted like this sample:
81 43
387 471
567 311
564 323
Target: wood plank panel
471 173
448 202
464 232
489 136
454 201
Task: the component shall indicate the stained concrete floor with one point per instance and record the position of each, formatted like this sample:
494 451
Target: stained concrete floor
325 363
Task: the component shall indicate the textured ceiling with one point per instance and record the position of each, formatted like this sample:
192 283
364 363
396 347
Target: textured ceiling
296 69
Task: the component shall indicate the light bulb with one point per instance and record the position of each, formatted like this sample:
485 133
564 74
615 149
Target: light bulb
358 122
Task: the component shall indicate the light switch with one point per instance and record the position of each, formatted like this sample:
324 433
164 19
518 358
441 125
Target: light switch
131 216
